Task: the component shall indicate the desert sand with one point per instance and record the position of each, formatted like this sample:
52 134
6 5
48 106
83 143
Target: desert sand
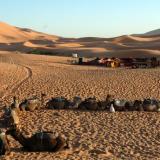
91 135
26 40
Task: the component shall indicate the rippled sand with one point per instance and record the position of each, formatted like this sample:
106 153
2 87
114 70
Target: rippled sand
92 135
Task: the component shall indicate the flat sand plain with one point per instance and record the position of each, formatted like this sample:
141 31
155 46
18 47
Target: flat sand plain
92 135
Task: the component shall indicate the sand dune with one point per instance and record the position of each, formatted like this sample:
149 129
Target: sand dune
69 44
29 44
125 39
135 39
10 34
26 40
154 32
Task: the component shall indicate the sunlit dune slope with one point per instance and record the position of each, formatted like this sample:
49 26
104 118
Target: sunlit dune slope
25 40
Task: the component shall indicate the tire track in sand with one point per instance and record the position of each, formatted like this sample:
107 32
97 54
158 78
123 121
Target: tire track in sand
16 86
29 75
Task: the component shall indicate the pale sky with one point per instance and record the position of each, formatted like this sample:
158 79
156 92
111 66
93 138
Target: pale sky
83 18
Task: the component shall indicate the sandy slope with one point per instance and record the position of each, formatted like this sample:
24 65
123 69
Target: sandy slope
10 34
92 135
25 40
154 32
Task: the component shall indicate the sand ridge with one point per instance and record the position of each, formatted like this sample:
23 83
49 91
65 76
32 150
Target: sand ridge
26 40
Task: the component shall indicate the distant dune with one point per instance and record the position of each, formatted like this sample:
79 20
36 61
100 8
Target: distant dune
10 34
154 32
25 40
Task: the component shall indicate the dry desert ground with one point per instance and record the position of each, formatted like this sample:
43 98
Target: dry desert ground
92 135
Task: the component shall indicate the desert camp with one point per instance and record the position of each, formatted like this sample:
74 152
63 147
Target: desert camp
118 62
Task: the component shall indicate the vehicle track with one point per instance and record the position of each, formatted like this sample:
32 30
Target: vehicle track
29 75
12 89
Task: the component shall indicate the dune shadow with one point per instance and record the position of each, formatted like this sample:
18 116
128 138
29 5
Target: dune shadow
14 47
42 42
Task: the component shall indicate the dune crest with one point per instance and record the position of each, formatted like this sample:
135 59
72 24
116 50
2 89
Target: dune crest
11 34
25 40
